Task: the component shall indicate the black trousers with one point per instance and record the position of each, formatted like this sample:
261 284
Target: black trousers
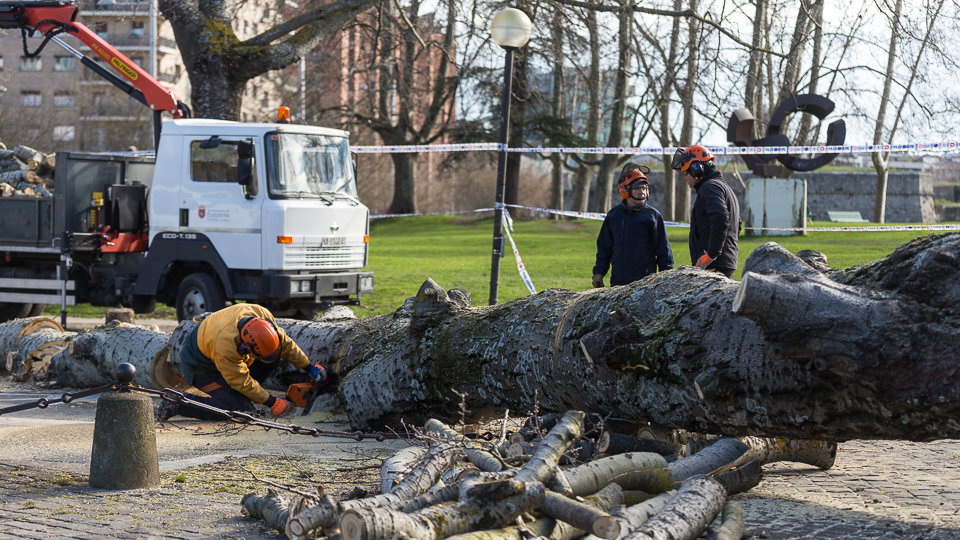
221 394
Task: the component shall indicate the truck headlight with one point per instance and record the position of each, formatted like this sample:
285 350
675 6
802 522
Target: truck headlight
294 286
306 286
366 283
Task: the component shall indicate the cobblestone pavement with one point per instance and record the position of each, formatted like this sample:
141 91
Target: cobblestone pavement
877 489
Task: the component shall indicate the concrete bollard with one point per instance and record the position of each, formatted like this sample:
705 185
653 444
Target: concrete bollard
124 452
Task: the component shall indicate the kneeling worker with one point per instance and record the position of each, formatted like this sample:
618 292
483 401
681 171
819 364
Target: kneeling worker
228 355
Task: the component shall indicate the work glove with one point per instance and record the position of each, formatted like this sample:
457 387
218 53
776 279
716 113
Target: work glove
278 406
704 261
317 373
598 280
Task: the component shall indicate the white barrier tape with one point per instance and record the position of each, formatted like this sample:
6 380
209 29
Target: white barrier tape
600 217
586 215
870 228
403 149
450 213
942 146
524 276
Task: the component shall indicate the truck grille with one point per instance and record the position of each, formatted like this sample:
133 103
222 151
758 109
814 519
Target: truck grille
323 258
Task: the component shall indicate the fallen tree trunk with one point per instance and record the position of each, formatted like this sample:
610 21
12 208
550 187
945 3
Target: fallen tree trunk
93 356
847 351
671 350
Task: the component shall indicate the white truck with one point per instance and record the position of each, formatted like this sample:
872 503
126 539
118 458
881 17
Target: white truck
265 213
223 211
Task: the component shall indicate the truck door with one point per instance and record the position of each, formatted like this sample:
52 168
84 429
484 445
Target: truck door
214 204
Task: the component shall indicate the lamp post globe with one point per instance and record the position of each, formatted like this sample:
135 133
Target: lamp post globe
509 29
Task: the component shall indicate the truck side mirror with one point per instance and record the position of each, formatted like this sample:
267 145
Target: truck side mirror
245 168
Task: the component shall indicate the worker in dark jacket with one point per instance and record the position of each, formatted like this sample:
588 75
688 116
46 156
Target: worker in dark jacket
228 355
632 239
715 218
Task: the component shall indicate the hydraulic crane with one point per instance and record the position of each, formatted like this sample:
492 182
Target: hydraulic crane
51 18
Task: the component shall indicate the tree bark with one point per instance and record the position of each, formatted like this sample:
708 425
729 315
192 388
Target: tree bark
93 356
687 514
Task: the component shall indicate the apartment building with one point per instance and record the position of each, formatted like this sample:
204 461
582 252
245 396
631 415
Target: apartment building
52 102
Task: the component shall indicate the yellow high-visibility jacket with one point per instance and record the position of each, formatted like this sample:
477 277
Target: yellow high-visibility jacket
218 338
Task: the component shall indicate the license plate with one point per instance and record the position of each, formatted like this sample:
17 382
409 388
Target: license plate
333 241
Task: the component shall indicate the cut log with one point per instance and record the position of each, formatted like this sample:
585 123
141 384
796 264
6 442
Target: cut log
687 514
328 512
486 506
741 478
271 508
93 356
591 477
6 190
399 464
11 332
29 156
618 443
36 349
731 525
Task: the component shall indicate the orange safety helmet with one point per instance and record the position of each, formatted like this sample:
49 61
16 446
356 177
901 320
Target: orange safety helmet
259 337
685 159
630 177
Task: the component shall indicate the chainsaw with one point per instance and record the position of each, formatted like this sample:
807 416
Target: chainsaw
305 395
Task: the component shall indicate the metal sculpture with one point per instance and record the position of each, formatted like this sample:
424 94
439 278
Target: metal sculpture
740 132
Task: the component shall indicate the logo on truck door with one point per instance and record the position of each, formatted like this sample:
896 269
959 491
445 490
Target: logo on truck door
202 211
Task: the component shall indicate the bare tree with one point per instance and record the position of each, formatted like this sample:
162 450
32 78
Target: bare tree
881 161
220 64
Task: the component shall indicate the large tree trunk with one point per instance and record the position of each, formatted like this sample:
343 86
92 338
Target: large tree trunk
810 357
93 356
865 352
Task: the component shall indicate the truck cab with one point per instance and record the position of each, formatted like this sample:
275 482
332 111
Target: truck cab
266 213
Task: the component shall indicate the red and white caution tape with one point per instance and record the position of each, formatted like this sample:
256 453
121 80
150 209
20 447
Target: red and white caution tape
524 276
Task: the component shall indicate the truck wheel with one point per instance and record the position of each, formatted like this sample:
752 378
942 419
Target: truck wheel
37 309
199 293
13 310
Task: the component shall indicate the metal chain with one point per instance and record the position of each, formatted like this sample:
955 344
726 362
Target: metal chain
66 397
175 396
238 417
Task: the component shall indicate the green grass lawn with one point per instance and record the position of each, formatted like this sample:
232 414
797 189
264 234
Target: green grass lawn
456 253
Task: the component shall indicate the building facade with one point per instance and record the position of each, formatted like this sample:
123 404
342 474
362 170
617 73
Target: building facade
51 102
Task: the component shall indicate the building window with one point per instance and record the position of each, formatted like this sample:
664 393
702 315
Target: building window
136 29
63 98
100 28
30 98
64 133
64 63
30 63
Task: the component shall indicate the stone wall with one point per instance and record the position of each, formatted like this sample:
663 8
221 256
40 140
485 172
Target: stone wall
909 195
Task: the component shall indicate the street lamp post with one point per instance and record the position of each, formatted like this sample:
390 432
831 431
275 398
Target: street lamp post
510 29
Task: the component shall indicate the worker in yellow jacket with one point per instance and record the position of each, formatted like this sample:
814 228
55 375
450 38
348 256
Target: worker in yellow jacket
228 355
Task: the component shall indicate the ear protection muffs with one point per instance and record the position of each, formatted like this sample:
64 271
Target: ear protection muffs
628 178
696 169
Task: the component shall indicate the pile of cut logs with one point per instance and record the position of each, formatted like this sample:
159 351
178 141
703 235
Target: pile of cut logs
25 172
449 486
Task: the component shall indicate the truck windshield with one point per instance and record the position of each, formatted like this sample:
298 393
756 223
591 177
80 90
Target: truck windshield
309 166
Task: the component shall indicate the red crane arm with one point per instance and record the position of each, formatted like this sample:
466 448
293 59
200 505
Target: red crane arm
55 17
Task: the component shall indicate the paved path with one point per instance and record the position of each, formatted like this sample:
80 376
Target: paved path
877 489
